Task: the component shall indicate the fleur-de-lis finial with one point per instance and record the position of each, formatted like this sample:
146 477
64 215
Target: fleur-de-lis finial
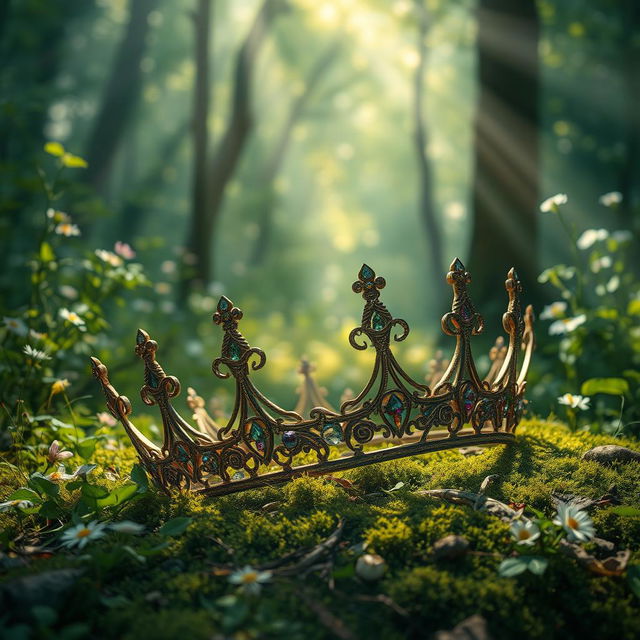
367 284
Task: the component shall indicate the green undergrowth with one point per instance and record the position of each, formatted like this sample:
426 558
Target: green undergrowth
177 592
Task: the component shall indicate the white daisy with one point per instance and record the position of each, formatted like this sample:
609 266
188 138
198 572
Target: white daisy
15 504
566 325
608 199
601 263
67 229
15 325
127 526
250 579
575 401
72 317
109 257
553 203
590 237
524 532
554 310
60 475
36 355
81 534
575 522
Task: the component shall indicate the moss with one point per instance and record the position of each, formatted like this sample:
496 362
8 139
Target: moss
176 591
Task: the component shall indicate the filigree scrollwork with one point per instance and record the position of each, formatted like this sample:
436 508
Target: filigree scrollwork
261 440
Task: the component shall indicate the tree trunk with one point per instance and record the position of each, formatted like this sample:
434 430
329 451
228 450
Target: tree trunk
225 160
121 96
631 71
200 209
274 164
420 138
505 187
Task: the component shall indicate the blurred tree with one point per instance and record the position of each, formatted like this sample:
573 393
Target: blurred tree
505 188
631 73
276 159
120 97
223 164
427 205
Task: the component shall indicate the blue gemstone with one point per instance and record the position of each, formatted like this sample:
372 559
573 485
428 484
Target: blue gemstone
367 272
153 380
377 322
289 439
332 434
140 337
223 305
457 265
235 351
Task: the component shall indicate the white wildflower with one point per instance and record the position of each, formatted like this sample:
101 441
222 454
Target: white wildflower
575 401
590 237
553 203
524 532
575 522
250 579
566 325
554 310
611 198
81 534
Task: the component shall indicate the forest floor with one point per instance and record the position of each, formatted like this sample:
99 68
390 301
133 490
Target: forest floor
306 536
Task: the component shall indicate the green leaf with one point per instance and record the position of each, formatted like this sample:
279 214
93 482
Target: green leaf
74 162
54 149
633 577
537 565
50 510
25 494
117 496
139 476
86 447
175 526
611 386
46 252
627 512
94 491
512 567
41 484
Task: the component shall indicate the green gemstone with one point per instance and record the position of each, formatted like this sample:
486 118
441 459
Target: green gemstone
223 305
377 322
367 272
153 380
235 351
332 434
256 432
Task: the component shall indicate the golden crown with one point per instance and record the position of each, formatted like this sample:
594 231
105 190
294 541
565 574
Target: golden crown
261 441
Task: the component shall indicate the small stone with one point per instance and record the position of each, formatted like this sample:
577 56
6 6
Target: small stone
450 547
370 567
609 453
472 628
289 439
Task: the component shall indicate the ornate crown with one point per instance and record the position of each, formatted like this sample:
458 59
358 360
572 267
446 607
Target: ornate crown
261 441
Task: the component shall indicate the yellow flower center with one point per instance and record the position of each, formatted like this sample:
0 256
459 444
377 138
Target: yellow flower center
83 533
523 534
249 577
573 523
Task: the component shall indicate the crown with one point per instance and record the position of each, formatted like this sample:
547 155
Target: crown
392 417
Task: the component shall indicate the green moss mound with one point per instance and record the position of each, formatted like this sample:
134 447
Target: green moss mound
180 591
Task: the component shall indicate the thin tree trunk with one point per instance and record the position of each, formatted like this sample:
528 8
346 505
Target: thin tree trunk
420 137
121 96
505 187
274 164
200 130
631 70
225 160
137 206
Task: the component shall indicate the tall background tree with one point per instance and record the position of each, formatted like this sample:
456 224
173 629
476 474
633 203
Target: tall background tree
506 149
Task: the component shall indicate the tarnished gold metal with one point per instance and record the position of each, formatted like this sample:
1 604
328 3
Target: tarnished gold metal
260 442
